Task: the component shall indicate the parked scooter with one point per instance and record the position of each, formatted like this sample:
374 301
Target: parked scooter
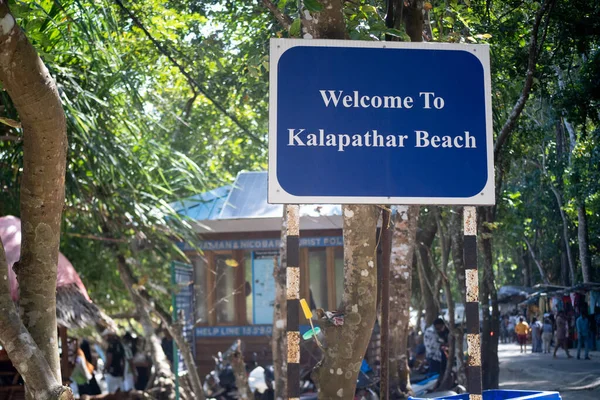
261 381
220 383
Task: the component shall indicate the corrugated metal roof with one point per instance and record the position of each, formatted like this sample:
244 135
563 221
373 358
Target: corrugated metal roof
248 198
204 206
245 199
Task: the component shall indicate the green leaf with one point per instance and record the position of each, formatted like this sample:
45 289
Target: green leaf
313 5
295 28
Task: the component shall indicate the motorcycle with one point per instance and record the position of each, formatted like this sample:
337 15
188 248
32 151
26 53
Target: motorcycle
219 384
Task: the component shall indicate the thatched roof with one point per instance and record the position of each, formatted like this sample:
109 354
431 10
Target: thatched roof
74 308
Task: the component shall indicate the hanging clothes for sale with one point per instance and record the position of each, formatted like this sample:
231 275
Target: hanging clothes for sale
594 301
542 304
568 307
557 304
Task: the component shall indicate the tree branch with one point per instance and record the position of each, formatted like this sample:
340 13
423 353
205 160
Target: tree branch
140 293
10 138
535 260
35 97
20 346
510 123
283 19
99 238
195 86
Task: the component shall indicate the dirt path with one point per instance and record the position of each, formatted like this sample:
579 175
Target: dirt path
574 379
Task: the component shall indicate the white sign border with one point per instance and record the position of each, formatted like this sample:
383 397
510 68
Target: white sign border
277 195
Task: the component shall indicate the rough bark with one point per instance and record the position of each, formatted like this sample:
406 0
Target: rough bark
345 346
455 232
456 244
162 386
447 380
22 350
239 369
175 328
36 98
584 248
279 339
284 20
425 235
403 244
488 295
31 339
413 19
326 24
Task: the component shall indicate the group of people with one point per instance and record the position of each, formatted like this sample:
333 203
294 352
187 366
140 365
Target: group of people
544 333
126 366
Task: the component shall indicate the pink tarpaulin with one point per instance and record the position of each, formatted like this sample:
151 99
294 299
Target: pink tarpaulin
10 233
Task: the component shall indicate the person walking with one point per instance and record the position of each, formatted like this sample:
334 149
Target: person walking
547 334
536 336
130 374
91 387
433 347
583 335
562 329
115 362
522 329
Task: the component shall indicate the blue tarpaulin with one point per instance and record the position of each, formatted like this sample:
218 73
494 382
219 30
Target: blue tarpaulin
504 395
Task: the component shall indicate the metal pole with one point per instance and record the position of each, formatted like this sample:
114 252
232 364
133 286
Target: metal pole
386 236
474 385
293 301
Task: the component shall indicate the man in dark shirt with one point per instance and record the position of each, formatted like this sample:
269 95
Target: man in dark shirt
115 362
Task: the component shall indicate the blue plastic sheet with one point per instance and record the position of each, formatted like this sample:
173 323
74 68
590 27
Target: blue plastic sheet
504 395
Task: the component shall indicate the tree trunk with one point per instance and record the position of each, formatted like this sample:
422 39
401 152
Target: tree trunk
239 369
584 248
489 298
526 281
425 235
163 384
345 345
278 341
455 228
564 268
537 263
447 380
403 245
565 232
139 294
31 342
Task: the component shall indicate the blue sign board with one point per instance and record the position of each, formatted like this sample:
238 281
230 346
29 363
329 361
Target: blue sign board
235 331
183 276
380 122
263 286
264 244
240 331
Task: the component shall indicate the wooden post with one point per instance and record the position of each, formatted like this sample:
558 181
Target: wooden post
474 385
293 301
64 357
